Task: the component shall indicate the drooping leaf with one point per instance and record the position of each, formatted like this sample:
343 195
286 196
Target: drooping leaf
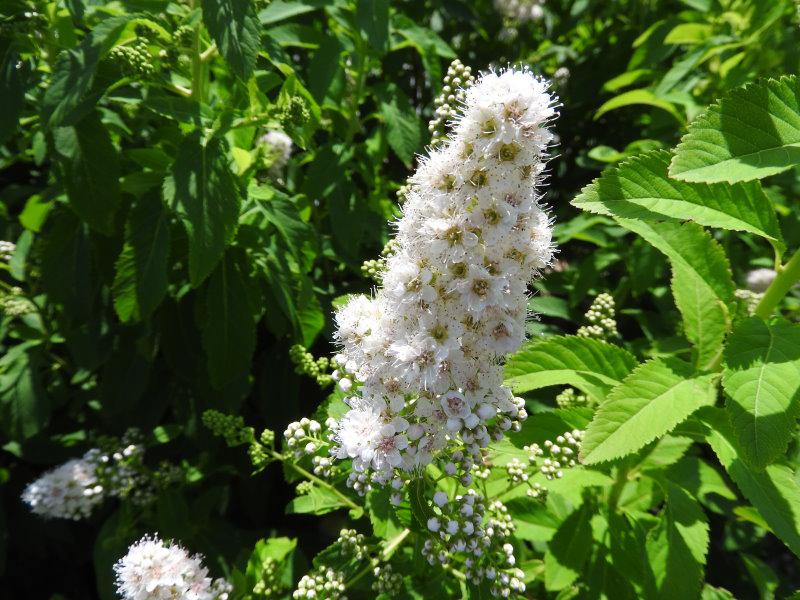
591 365
762 381
568 550
639 97
141 271
203 193
651 401
773 491
677 548
91 168
690 248
641 189
234 26
229 329
705 316
751 133
65 99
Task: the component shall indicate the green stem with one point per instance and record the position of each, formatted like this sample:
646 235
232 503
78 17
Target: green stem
197 64
617 487
315 479
787 276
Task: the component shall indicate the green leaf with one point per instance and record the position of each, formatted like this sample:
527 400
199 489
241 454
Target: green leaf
593 366
13 96
762 381
638 97
91 169
641 189
203 193
751 133
403 127
319 501
234 26
229 329
689 247
677 548
372 18
705 317
141 271
24 402
74 71
650 402
421 508
568 550
773 491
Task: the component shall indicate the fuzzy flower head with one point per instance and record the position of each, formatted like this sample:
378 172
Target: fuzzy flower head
426 350
156 570
521 10
279 149
69 491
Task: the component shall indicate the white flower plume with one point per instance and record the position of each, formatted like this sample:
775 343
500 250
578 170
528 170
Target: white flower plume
426 350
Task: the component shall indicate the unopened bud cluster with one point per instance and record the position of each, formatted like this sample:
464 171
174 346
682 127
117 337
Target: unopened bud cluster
353 544
134 60
327 584
374 268
306 364
387 581
15 303
465 530
561 454
570 398
7 249
229 427
304 438
270 584
447 104
600 318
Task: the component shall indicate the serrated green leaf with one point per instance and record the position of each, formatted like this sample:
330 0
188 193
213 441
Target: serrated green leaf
639 97
421 508
64 101
650 402
403 131
229 329
319 501
774 491
201 190
751 133
141 270
91 169
677 549
568 550
24 403
234 26
762 381
641 189
593 366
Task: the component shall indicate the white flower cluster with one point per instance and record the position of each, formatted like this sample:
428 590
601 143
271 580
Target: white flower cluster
426 351
279 149
521 10
69 491
74 489
758 280
464 527
155 570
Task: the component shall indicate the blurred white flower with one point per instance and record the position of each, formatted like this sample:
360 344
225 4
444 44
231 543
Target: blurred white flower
759 280
69 491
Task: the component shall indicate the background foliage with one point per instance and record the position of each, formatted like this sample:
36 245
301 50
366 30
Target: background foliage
164 268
